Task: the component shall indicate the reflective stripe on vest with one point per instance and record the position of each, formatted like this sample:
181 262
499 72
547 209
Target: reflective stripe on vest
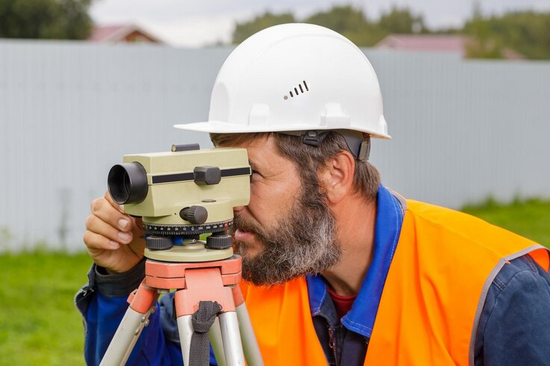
434 293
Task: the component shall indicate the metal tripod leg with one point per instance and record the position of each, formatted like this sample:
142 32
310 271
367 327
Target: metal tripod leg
250 344
185 329
206 284
232 345
244 334
216 341
142 304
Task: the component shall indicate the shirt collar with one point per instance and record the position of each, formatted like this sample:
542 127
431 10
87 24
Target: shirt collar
360 319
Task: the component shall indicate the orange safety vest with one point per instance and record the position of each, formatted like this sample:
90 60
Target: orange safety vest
433 295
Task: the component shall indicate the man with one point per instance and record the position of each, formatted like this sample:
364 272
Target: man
339 270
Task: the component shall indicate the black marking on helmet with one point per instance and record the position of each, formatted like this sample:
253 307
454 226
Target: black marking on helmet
296 91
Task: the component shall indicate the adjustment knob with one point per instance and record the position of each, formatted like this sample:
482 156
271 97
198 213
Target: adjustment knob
158 243
219 241
194 214
207 175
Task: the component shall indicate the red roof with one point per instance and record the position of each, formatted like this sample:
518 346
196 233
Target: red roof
435 42
411 42
102 33
120 33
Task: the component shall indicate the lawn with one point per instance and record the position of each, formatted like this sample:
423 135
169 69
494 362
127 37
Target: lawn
528 218
39 324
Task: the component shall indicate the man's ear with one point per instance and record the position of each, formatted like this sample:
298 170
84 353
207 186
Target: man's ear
336 178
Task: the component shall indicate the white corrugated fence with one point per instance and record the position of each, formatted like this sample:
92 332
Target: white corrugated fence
462 130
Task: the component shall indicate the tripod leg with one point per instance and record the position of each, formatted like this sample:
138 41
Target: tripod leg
250 344
216 341
185 329
142 304
232 345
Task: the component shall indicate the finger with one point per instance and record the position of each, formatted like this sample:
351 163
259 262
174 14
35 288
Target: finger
112 202
104 210
97 244
95 224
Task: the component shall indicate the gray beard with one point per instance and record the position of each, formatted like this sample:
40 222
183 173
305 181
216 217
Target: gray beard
302 242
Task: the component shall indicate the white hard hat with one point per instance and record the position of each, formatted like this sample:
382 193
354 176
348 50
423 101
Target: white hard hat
295 77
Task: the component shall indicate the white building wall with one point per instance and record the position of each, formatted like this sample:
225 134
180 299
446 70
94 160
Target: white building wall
462 130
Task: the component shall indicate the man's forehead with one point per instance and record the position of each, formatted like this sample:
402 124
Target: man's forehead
261 147
237 139
263 152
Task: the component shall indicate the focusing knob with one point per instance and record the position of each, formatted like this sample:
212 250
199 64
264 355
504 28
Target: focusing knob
194 214
219 241
158 243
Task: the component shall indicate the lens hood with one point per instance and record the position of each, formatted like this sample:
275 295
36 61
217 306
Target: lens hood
127 183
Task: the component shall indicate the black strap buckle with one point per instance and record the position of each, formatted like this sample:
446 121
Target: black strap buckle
314 138
358 144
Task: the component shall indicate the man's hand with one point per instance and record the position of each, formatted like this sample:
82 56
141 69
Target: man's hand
114 240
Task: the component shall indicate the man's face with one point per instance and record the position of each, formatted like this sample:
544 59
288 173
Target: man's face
287 230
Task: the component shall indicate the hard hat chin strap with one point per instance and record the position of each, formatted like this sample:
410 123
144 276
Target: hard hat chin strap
358 144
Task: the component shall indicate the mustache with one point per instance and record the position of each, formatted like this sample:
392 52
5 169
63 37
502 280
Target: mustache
245 225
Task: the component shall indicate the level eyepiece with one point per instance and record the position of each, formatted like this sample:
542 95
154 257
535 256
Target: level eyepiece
127 183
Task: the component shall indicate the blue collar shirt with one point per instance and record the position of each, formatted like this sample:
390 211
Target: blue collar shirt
360 319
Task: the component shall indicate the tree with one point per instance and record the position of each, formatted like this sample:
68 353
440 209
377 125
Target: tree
351 23
244 30
340 19
402 21
346 20
45 19
526 32
490 37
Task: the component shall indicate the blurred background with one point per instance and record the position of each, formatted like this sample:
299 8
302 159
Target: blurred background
466 87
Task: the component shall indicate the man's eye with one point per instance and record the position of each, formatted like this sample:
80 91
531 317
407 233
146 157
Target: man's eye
254 175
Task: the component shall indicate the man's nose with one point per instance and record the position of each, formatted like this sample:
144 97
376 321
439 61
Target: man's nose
238 209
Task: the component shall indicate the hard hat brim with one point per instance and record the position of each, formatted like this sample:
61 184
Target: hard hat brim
224 127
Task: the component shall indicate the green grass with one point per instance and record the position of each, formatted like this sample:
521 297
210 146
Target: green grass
529 218
39 324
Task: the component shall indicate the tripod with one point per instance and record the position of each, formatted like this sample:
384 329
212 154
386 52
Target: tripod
211 280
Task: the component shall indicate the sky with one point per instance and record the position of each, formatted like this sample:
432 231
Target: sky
196 23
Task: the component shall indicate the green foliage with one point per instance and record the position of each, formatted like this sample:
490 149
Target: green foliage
244 30
341 19
528 218
349 22
39 324
401 21
526 32
346 20
45 19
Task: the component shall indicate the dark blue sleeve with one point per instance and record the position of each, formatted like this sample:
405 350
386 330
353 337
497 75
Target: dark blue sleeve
104 316
103 304
514 326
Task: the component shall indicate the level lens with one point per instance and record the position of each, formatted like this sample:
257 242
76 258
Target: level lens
127 183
